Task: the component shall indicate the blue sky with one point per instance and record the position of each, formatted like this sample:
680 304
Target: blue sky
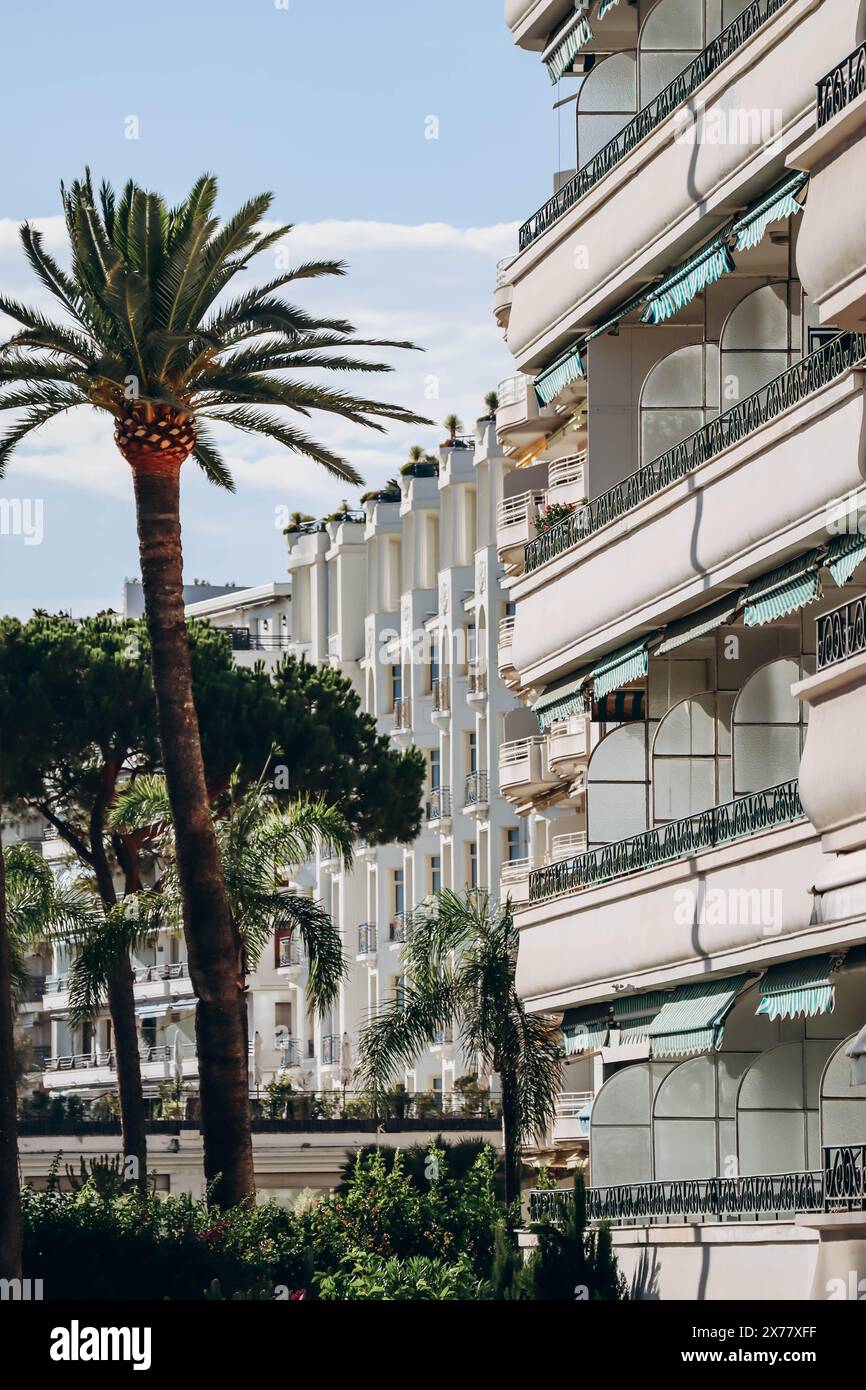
330 106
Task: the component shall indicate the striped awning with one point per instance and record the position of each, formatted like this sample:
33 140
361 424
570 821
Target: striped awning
783 591
604 6
682 285
844 555
560 699
559 54
558 375
699 624
635 1013
780 202
619 668
151 1010
585 1030
800 987
692 1020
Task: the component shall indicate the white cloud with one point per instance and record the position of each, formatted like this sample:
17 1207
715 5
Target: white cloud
348 238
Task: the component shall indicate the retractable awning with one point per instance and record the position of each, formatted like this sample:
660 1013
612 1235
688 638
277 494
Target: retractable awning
604 6
693 1018
559 54
699 624
635 1013
152 1010
585 1030
619 668
780 202
685 283
782 591
844 556
800 987
558 375
560 700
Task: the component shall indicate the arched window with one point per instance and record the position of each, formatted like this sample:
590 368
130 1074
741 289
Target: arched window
620 1144
680 394
606 102
691 765
617 786
760 339
694 1117
769 728
777 1109
675 32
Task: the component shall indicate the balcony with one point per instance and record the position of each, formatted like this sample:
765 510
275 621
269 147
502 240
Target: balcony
331 1050
290 1053
524 772
397 929
503 293
367 939
520 420
515 526
566 847
571 1117
688 518
476 794
476 684
658 188
506 637
442 1039
830 256
243 639
441 692
439 805
567 481
402 716
514 880
290 957
682 900
568 745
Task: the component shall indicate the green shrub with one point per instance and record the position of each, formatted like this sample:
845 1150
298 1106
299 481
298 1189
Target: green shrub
362 1275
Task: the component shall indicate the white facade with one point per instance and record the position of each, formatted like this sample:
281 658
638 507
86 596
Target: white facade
687 318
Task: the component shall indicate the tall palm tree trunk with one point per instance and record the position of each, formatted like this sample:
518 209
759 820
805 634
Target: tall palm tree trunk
212 950
10 1196
511 1134
121 1005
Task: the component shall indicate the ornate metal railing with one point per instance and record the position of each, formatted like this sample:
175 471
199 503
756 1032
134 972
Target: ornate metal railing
439 805
244 640
366 938
476 683
403 715
290 1053
647 120
841 633
331 1048
397 928
719 825
810 374
845 1177
441 692
476 792
290 953
840 87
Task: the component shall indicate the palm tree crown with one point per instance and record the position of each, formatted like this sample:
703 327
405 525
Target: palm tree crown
145 339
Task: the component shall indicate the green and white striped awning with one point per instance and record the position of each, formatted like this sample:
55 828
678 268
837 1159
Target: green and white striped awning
782 591
844 556
779 202
693 1018
635 1013
698 624
585 1030
619 668
682 285
560 699
798 987
560 52
604 6
558 375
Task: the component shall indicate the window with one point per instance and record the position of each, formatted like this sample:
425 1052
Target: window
400 990
510 608
514 843
396 684
471 643
473 865
473 752
437 1085
398 892
435 873
434 660
435 769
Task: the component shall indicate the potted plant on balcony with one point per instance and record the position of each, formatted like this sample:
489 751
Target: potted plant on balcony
491 403
453 424
296 521
551 516
420 464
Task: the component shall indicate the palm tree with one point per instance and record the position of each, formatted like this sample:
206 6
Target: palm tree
453 424
258 840
491 403
460 957
147 338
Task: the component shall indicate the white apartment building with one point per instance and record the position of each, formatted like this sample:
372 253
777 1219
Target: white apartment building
405 599
687 315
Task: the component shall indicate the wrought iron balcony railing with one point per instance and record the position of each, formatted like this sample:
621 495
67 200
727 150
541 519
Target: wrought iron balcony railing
650 117
397 928
839 1186
290 1052
290 953
797 383
841 86
403 715
841 633
476 684
244 640
679 839
367 939
441 691
476 792
439 805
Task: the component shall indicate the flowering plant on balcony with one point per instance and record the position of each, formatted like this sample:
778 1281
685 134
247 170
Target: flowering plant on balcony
548 517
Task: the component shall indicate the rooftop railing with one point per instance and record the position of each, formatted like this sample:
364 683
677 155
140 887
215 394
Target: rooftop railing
680 839
732 38
842 86
841 633
244 640
796 384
